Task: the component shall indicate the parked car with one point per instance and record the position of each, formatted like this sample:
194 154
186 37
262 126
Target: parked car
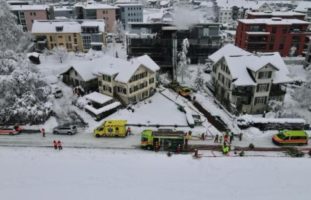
289 137
58 93
65 130
9 131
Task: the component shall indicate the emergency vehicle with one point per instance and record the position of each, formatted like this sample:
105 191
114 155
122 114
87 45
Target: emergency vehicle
164 138
289 137
111 128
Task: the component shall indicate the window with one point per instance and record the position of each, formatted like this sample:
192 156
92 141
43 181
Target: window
106 78
51 38
34 13
260 100
151 80
281 46
69 38
75 41
262 87
273 29
264 75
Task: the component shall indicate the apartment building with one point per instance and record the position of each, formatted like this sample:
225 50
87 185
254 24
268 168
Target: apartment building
286 36
245 82
93 10
76 35
129 12
27 14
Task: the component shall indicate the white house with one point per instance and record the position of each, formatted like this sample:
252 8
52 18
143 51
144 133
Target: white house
245 82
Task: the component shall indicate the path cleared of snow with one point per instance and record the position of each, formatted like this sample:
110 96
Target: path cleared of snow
79 174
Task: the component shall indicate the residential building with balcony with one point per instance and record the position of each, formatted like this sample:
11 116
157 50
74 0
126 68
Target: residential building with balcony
163 41
27 14
286 36
77 35
93 10
245 82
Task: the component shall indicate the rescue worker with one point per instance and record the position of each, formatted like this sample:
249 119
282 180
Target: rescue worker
59 145
226 137
196 153
178 149
43 132
231 137
55 144
128 131
240 136
216 138
202 136
225 149
157 146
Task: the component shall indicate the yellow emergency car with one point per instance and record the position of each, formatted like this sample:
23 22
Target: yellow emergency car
111 128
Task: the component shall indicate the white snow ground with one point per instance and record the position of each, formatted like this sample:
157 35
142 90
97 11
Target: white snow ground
80 174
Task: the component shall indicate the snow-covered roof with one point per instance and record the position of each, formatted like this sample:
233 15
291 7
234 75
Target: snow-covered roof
102 109
49 26
276 13
303 6
93 5
28 7
164 3
147 61
258 33
239 66
90 69
251 119
273 21
128 4
227 50
63 8
247 3
98 97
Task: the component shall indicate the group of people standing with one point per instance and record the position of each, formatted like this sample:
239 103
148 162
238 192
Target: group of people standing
57 145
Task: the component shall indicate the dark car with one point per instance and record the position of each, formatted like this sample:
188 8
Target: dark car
65 130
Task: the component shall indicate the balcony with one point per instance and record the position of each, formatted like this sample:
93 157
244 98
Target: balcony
242 91
277 90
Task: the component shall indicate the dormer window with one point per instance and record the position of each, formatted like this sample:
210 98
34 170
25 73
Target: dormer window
59 28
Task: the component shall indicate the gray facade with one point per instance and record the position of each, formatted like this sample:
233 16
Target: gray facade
130 13
67 12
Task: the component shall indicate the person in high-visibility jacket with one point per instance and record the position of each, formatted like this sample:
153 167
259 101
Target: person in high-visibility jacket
225 149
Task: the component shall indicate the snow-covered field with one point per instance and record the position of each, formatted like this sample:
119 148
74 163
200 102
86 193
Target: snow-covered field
43 173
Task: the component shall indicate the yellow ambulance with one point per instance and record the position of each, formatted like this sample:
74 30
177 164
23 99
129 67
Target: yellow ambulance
111 128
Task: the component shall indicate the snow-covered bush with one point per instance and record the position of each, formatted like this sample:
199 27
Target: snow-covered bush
24 93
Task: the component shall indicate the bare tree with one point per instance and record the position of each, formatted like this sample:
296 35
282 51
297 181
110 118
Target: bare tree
183 61
61 53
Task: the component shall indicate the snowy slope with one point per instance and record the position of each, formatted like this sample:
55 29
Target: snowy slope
41 173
